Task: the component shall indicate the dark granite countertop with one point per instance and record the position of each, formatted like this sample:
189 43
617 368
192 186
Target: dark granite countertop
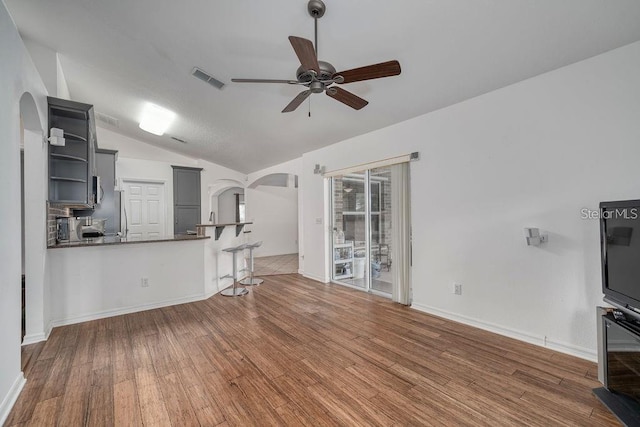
223 225
115 240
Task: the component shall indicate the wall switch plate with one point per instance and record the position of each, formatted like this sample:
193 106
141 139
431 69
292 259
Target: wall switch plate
144 282
457 288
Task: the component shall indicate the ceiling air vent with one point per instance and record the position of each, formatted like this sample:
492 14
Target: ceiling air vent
175 138
107 119
206 77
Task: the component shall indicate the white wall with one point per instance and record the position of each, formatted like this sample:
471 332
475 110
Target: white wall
101 281
139 160
62 89
274 213
276 224
135 149
227 205
18 75
45 60
36 273
529 155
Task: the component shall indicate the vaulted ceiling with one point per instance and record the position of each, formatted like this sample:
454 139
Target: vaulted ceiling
121 54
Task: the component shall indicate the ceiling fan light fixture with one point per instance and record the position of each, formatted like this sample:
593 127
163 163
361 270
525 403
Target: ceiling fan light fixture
156 120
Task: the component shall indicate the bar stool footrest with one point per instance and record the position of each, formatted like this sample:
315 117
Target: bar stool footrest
234 292
249 282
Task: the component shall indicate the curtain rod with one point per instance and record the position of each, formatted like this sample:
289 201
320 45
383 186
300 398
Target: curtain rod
372 165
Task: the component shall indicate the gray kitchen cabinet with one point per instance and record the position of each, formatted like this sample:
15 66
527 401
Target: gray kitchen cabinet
186 218
72 167
108 206
186 199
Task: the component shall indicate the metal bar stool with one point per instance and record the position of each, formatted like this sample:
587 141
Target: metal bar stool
250 281
234 291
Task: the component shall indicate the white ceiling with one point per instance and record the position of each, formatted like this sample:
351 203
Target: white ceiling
120 54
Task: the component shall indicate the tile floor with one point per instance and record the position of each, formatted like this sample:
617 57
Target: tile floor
277 264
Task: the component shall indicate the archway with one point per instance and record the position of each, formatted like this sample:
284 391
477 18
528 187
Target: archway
276 180
272 206
218 187
34 219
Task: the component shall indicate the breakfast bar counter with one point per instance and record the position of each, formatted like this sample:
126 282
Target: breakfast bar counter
117 240
108 276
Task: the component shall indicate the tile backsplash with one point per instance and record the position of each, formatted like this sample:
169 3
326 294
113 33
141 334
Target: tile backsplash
53 212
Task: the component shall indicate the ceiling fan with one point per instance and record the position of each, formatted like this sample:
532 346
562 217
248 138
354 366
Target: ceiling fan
319 76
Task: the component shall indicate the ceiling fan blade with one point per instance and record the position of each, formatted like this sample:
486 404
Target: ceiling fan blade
347 98
306 53
297 101
375 71
291 82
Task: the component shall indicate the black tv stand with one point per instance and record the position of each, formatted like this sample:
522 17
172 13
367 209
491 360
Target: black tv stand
621 363
625 409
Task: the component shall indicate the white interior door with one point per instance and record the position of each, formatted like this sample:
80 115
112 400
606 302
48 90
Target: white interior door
144 209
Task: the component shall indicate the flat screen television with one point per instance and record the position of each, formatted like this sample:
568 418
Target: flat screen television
620 249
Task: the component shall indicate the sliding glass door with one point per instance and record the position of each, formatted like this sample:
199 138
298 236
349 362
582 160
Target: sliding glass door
380 219
362 230
350 229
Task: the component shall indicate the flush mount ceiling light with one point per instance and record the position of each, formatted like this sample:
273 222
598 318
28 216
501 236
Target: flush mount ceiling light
156 120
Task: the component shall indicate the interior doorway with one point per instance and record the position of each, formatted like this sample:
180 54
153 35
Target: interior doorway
231 206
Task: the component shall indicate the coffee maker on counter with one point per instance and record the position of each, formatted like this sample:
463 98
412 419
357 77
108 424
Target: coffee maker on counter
76 229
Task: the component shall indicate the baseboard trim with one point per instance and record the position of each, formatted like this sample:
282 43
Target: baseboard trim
34 338
317 279
570 349
11 397
48 331
127 310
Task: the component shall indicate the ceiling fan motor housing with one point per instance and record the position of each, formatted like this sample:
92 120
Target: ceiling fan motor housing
326 73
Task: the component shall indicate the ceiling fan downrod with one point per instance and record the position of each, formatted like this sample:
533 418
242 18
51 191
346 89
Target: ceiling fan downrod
316 9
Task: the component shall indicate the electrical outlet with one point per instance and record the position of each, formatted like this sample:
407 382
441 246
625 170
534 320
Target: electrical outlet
144 282
457 288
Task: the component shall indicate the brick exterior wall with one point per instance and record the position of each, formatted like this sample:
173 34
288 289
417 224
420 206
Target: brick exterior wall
349 202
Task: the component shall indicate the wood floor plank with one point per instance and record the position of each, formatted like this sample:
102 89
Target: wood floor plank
45 413
152 407
55 384
126 406
177 402
30 395
76 397
101 406
298 352
205 403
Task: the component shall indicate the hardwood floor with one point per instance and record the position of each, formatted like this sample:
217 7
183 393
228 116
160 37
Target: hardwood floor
275 264
297 352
